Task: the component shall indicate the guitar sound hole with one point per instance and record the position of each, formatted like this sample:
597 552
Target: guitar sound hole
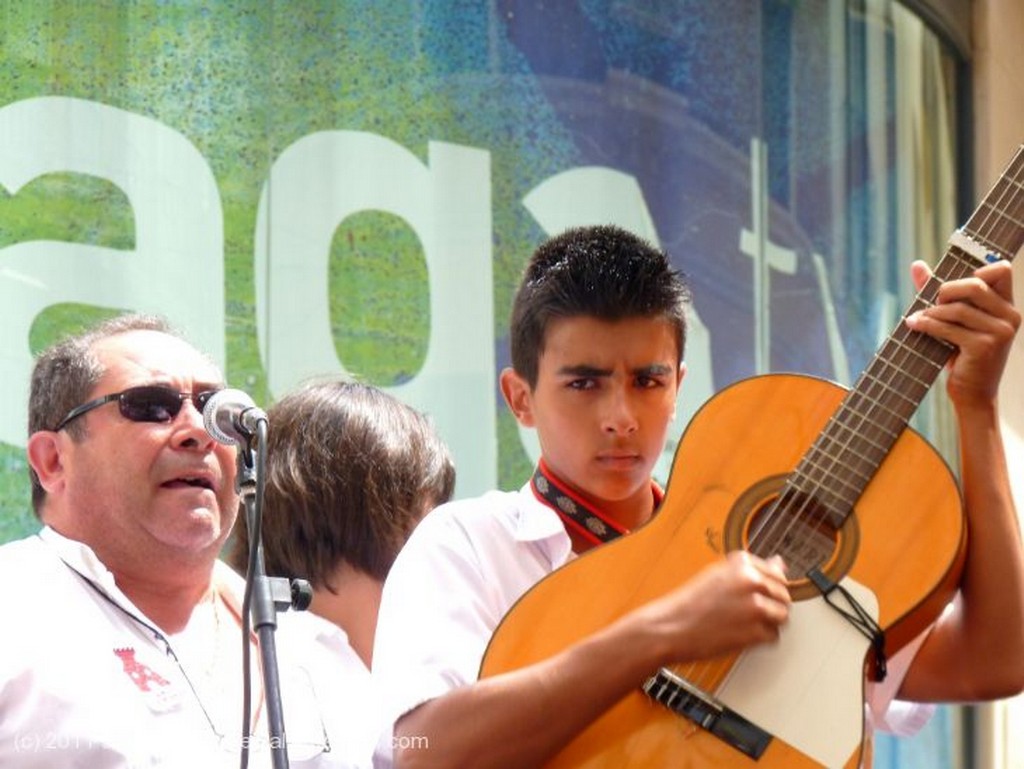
804 533
799 533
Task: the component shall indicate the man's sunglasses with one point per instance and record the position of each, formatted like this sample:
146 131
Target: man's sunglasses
147 403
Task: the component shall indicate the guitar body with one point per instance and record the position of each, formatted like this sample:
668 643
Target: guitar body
899 554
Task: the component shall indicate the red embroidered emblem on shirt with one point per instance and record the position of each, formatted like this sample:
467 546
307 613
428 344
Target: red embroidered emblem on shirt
142 675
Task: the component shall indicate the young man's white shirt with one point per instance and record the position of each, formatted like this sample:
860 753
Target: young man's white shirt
464 566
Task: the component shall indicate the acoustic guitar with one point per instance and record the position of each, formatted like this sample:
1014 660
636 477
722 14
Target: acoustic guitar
865 512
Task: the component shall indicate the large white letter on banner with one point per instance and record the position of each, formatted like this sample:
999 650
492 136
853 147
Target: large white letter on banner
324 178
597 195
177 266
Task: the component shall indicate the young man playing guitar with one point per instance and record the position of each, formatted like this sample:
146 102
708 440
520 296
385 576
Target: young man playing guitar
597 335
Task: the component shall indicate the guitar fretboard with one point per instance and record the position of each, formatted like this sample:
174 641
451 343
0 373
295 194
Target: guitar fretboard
834 473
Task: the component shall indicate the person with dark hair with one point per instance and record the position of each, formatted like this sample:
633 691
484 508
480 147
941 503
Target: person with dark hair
597 334
350 472
125 643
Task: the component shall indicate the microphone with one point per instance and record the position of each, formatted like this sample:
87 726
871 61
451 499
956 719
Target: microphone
231 417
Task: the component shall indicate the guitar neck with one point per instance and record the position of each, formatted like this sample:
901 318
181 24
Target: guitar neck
849 451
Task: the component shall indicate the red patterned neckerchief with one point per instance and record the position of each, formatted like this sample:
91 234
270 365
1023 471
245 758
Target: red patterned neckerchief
579 517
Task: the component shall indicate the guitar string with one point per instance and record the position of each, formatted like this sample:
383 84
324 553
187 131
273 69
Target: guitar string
767 528
913 350
1006 220
808 505
909 344
916 341
1005 187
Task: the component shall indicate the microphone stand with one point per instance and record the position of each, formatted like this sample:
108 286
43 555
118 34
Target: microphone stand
264 597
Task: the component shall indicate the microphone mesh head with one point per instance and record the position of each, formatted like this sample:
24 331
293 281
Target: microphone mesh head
218 415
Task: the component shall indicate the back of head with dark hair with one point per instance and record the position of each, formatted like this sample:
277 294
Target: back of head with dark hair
603 272
350 472
65 374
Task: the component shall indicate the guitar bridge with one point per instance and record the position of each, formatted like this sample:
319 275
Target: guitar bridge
681 697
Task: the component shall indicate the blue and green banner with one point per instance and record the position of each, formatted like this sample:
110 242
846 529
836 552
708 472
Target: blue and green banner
354 187
345 187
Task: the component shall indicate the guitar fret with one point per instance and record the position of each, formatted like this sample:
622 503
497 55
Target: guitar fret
815 473
865 407
884 394
991 224
900 360
957 264
828 500
824 481
872 405
986 247
867 455
962 262
920 357
844 434
814 503
1010 224
845 438
836 496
